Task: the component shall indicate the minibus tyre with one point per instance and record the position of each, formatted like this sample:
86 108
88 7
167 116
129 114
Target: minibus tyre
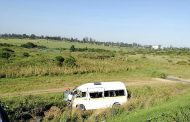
116 105
81 107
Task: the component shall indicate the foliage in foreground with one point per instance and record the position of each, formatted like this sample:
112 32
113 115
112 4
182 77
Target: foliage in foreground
30 107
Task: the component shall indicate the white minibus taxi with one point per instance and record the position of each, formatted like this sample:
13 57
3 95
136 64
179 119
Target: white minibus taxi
97 95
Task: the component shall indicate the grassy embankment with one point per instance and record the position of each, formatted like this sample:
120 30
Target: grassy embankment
177 110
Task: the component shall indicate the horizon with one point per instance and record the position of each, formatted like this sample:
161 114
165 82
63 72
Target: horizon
144 22
75 38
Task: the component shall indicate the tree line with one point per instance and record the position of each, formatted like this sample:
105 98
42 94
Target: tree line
59 38
84 40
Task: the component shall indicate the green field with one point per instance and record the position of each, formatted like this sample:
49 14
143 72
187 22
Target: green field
32 80
177 109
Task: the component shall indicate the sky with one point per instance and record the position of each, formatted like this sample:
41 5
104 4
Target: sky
165 22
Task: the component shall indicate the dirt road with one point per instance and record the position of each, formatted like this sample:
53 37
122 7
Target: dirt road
172 78
153 81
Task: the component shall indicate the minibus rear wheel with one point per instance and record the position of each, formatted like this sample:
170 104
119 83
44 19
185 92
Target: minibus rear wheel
81 107
116 105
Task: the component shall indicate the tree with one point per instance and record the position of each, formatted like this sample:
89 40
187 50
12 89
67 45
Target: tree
33 36
72 48
85 39
24 36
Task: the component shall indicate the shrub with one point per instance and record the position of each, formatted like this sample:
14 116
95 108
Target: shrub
59 60
29 45
25 54
71 61
72 48
6 55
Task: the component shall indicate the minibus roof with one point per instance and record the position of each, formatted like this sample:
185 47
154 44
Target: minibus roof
101 86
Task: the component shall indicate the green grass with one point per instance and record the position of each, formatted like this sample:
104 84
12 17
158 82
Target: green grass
177 109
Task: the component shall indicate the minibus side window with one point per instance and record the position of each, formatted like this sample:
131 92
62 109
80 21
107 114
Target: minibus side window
113 93
96 95
117 93
83 94
121 93
109 93
80 94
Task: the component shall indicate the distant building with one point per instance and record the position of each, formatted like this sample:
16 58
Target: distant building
156 47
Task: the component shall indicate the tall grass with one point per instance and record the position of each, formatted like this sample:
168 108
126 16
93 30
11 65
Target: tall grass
47 66
177 109
28 107
143 98
41 62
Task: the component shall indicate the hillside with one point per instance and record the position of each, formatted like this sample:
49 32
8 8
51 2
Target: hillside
35 72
